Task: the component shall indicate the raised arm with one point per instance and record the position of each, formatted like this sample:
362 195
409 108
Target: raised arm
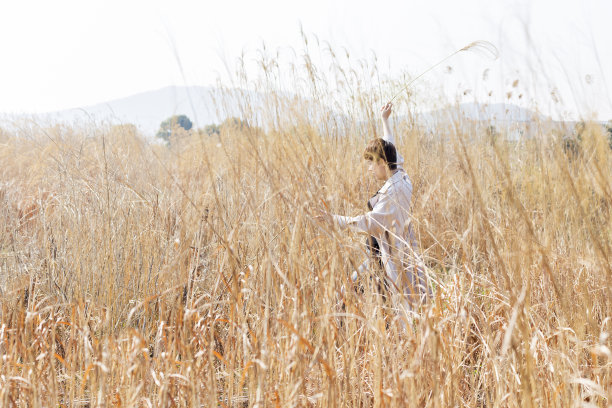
385 112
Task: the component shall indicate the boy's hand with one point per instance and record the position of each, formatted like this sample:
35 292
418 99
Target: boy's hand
385 111
324 217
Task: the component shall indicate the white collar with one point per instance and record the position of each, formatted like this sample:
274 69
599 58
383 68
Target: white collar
395 177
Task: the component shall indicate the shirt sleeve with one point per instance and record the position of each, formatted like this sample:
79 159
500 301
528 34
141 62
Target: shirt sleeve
374 222
388 136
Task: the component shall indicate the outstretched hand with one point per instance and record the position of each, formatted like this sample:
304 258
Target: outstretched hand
324 217
385 111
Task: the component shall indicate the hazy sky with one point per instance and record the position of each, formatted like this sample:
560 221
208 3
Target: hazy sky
68 53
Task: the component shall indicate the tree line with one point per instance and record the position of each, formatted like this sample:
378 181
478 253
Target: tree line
181 123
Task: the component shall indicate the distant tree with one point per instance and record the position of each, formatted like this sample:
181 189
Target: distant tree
609 129
579 129
233 123
170 125
572 142
571 146
212 129
492 133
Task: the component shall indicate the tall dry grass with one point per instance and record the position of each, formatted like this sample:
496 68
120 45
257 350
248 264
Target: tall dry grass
134 274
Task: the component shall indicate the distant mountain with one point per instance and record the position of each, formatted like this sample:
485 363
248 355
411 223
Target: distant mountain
206 105
496 113
148 109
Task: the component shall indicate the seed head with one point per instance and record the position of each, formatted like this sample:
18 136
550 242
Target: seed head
483 47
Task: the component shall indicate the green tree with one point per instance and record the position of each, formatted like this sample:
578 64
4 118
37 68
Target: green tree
171 124
492 133
609 129
572 142
233 123
212 129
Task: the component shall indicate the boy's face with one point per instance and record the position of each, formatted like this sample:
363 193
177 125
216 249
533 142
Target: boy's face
379 169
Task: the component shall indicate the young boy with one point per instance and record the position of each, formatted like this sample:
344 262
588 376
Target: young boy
391 240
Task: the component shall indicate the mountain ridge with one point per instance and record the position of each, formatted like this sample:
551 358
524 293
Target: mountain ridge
148 109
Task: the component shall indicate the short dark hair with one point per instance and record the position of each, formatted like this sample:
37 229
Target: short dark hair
381 149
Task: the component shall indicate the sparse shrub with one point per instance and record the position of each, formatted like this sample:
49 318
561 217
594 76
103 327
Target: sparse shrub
233 124
211 130
171 125
571 146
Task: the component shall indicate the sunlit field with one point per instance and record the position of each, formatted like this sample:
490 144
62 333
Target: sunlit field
139 274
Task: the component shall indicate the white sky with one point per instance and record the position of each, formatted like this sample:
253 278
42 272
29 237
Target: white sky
67 53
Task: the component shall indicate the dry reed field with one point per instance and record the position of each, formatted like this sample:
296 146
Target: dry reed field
134 274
